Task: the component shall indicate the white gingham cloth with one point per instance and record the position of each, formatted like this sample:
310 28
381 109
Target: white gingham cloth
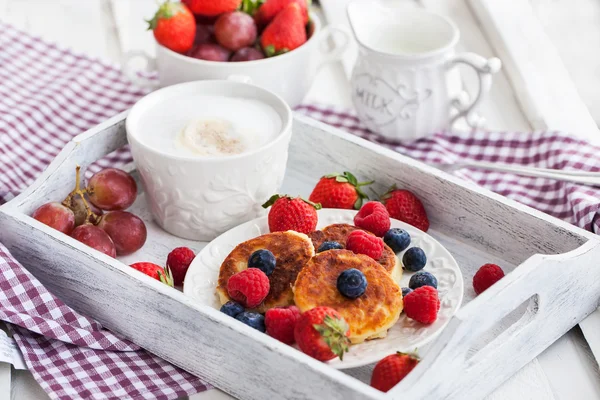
49 94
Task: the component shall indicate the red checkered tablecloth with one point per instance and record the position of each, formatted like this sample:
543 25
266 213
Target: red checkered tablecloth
49 94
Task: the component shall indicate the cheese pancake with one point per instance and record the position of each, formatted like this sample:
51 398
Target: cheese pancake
292 250
370 315
339 233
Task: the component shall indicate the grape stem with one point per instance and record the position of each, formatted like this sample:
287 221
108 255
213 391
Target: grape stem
78 191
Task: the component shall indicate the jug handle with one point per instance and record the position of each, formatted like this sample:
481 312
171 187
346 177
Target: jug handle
485 68
331 49
131 73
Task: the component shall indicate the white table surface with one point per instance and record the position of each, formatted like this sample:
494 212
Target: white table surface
108 28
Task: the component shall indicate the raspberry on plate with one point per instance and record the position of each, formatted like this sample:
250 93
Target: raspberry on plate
422 304
361 242
289 213
414 259
322 333
486 276
249 287
391 370
373 217
422 278
179 260
281 322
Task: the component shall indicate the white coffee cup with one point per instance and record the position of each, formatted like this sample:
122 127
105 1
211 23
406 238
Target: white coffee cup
288 75
200 197
401 80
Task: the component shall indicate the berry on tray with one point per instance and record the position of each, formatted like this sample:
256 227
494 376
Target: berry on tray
248 287
263 260
178 261
422 305
406 291
352 283
391 370
112 189
405 206
397 239
56 216
280 323
486 276
339 191
235 30
361 242
270 8
288 213
209 52
247 54
285 33
232 308
212 8
253 320
329 246
127 231
96 238
414 259
374 218
322 334
174 27
154 271
422 278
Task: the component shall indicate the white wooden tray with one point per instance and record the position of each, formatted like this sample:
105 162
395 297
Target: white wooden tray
553 281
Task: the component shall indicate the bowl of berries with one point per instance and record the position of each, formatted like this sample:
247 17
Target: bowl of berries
277 44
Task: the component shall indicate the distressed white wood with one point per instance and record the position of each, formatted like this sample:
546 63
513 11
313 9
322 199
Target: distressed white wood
538 76
463 216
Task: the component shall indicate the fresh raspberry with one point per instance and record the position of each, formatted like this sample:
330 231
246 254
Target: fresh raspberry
339 191
249 287
281 323
405 206
373 217
486 276
322 333
154 271
295 214
391 370
422 304
362 242
179 260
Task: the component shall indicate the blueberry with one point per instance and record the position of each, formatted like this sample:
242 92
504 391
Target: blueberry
253 320
414 259
422 278
329 246
352 283
263 260
398 239
232 308
405 291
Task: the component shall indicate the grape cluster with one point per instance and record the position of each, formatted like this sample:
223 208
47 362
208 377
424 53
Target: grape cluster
81 214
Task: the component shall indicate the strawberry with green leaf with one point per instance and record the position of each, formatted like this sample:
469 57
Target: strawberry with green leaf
322 333
285 33
339 191
174 26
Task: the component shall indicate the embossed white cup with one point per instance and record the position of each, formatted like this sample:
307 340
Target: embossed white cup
199 198
402 80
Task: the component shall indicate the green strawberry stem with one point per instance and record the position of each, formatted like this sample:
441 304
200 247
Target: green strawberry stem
333 331
276 197
166 277
348 177
388 194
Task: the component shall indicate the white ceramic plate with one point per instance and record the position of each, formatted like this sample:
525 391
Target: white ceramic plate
407 335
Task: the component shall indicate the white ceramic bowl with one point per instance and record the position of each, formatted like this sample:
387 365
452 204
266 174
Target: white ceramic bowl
288 75
201 197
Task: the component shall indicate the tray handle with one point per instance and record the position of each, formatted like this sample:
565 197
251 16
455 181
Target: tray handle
555 285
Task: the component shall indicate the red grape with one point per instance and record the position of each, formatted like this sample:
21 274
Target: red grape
210 52
96 238
204 34
112 189
56 216
247 54
76 205
235 30
127 231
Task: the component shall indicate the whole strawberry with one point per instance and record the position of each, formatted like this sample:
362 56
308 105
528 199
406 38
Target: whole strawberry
391 370
289 213
270 8
486 276
422 304
154 271
249 287
339 191
212 8
373 217
285 33
405 206
281 322
322 334
178 261
174 26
